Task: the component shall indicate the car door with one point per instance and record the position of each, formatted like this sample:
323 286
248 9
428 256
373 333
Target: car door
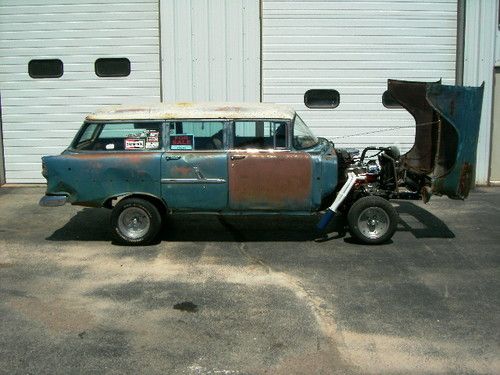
194 166
264 174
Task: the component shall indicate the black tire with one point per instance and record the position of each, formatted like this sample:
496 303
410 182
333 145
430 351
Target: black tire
135 221
372 220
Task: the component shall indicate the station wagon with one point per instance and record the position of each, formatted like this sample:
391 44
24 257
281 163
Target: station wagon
144 162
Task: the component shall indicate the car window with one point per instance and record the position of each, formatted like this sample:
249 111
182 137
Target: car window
259 134
88 133
140 136
196 135
303 138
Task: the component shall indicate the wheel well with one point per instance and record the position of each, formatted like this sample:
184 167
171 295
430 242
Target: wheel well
157 202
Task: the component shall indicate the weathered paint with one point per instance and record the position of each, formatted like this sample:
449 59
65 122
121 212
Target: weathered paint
195 181
447 127
266 180
199 181
411 95
460 110
170 111
90 178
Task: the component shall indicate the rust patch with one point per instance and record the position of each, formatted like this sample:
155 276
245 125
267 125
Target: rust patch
178 171
229 109
412 96
465 180
123 110
270 180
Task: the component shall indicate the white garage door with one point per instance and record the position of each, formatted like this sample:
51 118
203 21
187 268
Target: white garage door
354 47
41 115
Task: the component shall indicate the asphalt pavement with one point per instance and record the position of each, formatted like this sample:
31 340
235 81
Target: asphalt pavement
250 295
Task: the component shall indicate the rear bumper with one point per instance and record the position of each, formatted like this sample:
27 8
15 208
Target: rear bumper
53 200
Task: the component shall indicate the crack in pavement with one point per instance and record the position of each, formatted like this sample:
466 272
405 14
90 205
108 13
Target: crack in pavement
318 306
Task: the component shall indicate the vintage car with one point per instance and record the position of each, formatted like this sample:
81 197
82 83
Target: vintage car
144 162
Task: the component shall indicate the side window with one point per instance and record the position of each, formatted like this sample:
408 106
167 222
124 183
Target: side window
88 133
260 134
196 135
141 136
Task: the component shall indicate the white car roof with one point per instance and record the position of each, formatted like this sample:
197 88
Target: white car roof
186 110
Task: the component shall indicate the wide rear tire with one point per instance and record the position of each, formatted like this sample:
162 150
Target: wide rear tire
135 221
372 220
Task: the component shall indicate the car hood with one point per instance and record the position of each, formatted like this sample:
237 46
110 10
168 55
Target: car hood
447 128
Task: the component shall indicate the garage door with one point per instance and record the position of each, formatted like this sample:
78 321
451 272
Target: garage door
353 47
60 59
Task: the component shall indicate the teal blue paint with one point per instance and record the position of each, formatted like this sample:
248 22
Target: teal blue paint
461 107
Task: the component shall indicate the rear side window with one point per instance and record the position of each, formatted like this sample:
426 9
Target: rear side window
259 134
141 136
196 135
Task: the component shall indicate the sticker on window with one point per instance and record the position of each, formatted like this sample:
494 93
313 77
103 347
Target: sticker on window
154 133
152 144
182 142
134 144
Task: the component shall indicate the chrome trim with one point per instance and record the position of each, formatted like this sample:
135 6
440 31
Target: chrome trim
53 200
193 181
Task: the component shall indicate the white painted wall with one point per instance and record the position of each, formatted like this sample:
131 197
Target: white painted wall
479 61
210 50
354 47
40 116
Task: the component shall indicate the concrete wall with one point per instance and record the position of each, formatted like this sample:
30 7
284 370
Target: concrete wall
479 61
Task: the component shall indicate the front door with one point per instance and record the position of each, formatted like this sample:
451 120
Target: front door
194 166
264 175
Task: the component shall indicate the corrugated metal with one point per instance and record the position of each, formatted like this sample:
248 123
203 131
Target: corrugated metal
210 50
40 116
479 61
354 47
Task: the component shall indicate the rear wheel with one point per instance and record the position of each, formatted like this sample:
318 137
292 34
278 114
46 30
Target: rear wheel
372 220
135 221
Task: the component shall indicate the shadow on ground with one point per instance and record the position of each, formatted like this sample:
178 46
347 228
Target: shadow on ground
92 224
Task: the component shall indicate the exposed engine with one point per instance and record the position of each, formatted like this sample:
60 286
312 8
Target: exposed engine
380 173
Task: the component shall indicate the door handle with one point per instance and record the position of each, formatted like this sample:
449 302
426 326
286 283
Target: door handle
237 157
172 157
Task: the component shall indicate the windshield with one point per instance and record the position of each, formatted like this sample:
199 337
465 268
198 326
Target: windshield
302 135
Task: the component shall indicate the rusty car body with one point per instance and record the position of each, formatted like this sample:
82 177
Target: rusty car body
145 162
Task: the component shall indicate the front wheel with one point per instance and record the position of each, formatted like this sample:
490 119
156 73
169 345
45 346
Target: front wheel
135 221
372 220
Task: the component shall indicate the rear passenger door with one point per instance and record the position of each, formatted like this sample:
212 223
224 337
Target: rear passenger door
194 166
264 173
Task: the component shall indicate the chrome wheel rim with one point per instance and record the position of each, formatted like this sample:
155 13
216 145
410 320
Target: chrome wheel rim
134 222
373 222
